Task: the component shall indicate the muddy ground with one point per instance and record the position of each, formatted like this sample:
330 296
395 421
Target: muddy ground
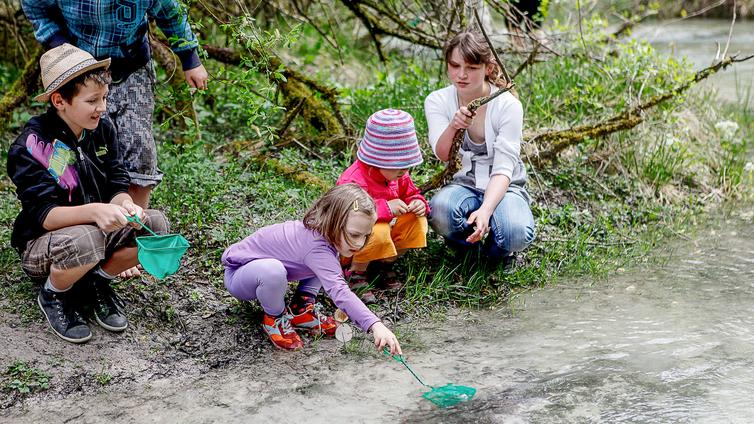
177 330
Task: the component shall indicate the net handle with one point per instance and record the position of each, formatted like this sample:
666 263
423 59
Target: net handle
399 358
135 218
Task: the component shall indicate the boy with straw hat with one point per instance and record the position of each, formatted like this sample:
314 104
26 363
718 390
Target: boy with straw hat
72 231
118 30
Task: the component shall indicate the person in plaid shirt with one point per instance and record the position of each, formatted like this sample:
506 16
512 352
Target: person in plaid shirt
117 29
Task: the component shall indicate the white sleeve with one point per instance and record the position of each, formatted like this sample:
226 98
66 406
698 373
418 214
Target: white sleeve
508 126
438 120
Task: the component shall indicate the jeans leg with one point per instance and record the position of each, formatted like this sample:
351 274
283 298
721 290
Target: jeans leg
511 227
451 207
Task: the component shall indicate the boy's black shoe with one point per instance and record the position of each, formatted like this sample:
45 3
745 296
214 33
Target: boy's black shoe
108 305
64 319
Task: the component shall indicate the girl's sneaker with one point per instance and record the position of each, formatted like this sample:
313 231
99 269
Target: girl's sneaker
311 317
280 332
359 284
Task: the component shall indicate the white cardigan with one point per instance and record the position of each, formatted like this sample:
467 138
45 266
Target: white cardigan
502 134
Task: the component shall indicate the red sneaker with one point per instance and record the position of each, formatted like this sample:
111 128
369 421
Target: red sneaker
314 320
280 332
359 284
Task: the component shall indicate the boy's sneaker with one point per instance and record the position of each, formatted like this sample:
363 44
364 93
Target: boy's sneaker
359 284
280 332
64 319
310 317
108 306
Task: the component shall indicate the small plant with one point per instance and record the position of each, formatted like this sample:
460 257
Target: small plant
22 378
195 296
170 314
103 378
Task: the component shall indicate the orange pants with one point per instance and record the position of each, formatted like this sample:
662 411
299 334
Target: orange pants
409 232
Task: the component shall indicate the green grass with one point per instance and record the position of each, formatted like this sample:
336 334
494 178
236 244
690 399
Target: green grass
23 379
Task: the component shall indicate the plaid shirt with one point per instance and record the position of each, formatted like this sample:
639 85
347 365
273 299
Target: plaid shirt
111 28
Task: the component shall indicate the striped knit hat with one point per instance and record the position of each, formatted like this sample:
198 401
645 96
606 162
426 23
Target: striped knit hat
390 141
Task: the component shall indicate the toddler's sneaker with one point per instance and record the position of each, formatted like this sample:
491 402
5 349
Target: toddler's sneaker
310 317
359 284
389 280
282 335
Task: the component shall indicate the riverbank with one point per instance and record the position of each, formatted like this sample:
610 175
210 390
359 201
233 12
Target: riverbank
663 340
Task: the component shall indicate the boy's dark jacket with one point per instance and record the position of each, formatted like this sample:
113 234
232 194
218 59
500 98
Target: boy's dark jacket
101 175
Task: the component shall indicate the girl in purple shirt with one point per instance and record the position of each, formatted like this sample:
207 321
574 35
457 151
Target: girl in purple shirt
261 265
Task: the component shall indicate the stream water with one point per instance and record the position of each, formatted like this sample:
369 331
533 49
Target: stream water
671 340
698 40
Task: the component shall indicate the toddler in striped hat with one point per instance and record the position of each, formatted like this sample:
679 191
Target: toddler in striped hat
386 152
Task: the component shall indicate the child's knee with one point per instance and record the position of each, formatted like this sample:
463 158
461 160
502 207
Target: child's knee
515 237
274 273
156 221
411 232
380 245
77 246
380 237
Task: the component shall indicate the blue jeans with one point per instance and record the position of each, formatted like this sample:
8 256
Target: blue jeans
511 224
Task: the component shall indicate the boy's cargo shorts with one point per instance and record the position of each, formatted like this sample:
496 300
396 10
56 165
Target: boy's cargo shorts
79 245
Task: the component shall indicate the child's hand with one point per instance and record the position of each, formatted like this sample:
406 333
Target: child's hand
133 210
197 77
397 207
108 216
417 207
384 337
480 220
462 118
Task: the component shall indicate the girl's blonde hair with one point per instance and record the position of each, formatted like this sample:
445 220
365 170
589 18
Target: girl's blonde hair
475 50
329 214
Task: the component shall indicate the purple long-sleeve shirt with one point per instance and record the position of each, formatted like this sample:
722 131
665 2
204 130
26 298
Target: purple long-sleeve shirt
304 254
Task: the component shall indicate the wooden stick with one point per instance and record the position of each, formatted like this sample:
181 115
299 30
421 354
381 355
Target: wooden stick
494 53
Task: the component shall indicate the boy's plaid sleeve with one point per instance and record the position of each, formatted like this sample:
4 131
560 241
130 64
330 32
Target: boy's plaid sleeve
40 14
172 19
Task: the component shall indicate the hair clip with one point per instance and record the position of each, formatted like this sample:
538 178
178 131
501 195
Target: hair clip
355 206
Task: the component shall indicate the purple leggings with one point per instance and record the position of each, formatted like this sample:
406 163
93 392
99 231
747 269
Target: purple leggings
267 281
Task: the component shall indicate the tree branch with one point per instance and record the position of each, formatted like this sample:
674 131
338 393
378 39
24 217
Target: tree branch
26 83
557 141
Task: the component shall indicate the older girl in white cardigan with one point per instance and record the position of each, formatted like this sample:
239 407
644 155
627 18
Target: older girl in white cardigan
488 194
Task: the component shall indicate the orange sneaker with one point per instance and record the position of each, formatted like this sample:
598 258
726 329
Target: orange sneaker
313 319
280 332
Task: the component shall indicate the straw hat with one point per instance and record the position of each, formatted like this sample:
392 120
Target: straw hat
62 64
390 141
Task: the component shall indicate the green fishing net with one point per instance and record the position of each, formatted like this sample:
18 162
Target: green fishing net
443 396
160 255
449 395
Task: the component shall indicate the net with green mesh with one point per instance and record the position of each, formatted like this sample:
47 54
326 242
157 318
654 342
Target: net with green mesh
443 396
160 255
